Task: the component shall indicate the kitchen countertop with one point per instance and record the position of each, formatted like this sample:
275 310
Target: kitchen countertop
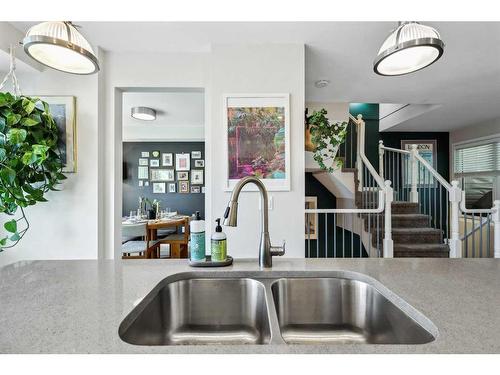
77 306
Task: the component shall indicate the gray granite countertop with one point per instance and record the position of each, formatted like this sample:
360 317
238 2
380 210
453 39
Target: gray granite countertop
77 306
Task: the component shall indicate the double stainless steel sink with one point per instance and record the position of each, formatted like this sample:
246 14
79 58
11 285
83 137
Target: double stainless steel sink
274 308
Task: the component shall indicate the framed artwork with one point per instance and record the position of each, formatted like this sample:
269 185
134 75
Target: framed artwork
197 177
203 189
257 128
143 173
183 187
158 187
143 161
141 183
146 183
195 154
145 154
199 163
162 174
427 149
154 162
167 159
195 189
155 154
172 187
182 162
182 176
311 219
63 110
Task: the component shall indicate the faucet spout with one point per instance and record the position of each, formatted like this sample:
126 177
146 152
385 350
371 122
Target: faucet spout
266 251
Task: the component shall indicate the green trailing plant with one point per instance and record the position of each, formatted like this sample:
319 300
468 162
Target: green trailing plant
327 138
30 160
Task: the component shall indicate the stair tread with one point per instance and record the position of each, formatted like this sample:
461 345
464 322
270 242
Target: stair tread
416 231
422 246
402 203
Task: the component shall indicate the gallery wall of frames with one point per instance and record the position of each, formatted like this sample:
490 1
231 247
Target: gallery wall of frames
170 172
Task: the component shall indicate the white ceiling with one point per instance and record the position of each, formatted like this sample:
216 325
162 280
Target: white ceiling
466 81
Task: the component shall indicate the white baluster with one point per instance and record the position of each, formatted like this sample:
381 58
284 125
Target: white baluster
414 174
496 222
381 158
388 243
454 241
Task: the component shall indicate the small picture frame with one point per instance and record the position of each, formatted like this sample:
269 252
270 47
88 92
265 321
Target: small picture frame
196 154
158 187
172 187
197 177
183 176
142 173
203 189
182 162
184 187
146 183
143 161
145 154
199 163
155 154
167 159
154 162
195 189
141 183
162 174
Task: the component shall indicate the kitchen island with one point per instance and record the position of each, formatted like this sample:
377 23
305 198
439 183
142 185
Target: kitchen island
77 306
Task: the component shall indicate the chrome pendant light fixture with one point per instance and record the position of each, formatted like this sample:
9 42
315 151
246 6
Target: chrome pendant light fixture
410 47
59 45
143 113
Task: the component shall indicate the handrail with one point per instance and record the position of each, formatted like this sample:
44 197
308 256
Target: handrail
393 149
436 175
480 225
379 209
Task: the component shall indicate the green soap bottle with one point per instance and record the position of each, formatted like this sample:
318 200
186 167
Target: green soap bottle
218 244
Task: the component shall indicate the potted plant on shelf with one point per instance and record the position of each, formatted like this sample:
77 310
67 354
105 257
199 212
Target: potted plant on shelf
326 138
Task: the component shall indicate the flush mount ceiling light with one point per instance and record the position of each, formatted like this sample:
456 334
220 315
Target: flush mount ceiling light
408 48
59 45
321 83
143 113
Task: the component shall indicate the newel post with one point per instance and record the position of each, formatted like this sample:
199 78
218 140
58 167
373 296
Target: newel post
388 243
454 242
414 173
496 233
381 158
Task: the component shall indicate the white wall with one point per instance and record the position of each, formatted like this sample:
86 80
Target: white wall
484 129
66 226
336 112
260 69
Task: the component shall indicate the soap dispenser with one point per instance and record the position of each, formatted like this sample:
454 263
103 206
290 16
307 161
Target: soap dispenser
197 239
218 244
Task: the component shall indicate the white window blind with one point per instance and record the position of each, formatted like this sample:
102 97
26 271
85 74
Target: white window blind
478 158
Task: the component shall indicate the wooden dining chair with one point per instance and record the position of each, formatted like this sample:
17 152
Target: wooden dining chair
138 249
179 241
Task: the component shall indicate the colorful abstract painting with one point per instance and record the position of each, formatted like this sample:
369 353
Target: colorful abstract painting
256 142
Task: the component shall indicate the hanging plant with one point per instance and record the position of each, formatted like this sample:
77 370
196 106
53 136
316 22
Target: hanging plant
30 161
326 138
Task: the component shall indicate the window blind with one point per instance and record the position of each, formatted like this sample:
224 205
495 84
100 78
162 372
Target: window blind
478 158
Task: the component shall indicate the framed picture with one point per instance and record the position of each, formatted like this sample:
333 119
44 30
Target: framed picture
146 183
182 162
162 174
183 187
158 187
182 176
63 110
195 189
203 189
311 219
141 183
143 161
257 128
172 187
154 162
155 154
427 149
143 173
167 159
197 177
199 163
195 154
145 154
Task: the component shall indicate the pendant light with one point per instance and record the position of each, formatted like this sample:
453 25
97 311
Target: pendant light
59 45
143 113
410 47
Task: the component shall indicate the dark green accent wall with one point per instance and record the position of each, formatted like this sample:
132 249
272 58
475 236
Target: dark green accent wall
370 113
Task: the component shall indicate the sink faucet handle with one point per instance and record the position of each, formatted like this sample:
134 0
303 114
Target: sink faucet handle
278 250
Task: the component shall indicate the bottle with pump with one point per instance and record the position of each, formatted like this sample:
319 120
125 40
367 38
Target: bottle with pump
197 239
218 244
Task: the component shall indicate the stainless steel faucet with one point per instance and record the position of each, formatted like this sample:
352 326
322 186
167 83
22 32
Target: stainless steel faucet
266 251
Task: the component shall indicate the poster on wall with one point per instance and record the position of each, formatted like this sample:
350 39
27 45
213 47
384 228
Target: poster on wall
63 110
427 150
258 139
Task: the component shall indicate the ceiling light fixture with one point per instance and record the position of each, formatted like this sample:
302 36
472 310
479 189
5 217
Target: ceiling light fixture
410 47
59 45
321 83
143 113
